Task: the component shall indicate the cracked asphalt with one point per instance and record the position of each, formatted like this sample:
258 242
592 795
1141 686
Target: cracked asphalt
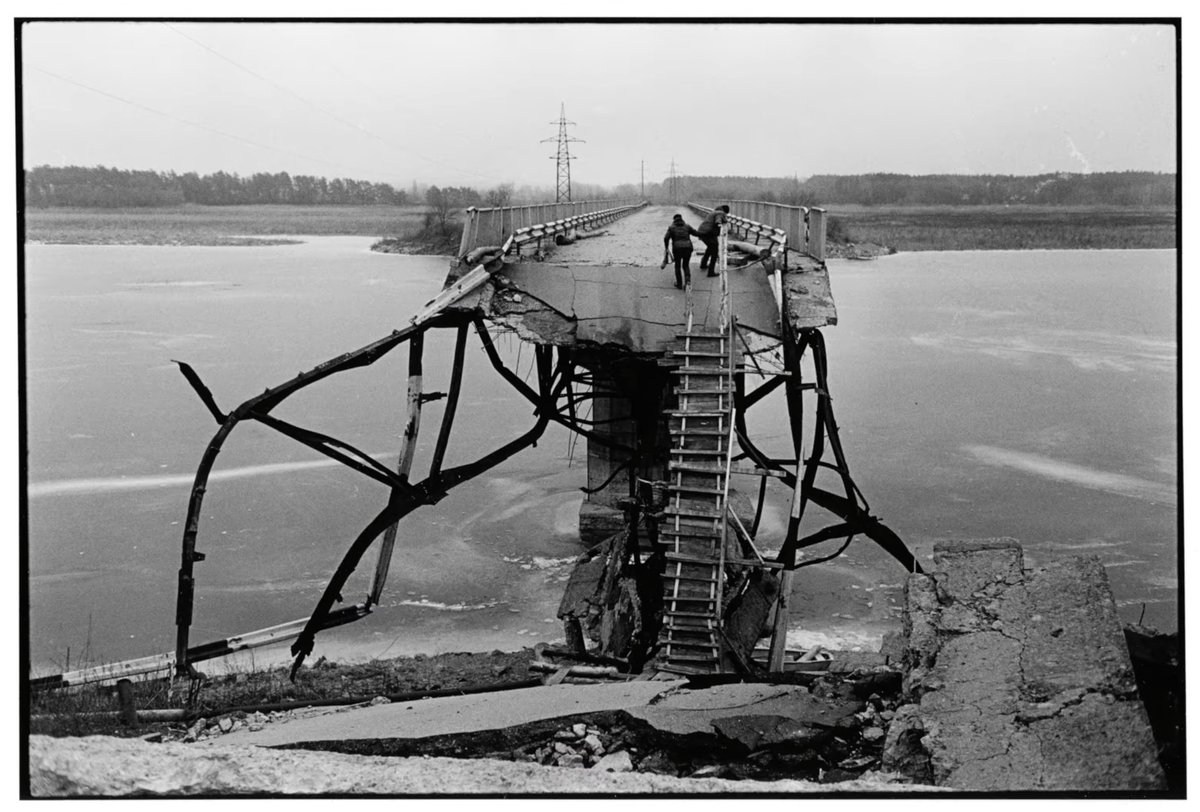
636 239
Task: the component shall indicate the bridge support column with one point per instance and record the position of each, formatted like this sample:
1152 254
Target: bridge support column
626 410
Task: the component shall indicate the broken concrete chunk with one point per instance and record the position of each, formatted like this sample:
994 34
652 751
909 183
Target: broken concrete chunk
618 762
977 566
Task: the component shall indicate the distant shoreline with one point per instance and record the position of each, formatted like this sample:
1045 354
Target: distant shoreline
854 232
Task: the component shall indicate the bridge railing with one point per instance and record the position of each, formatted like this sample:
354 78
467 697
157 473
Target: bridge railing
778 241
492 226
804 225
568 224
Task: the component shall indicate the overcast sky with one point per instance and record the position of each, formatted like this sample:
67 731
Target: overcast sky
468 104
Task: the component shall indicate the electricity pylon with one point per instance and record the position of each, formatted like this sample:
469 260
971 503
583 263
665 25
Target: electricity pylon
563 156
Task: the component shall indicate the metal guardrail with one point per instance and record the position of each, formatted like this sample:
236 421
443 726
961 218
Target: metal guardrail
804 225
158 663
568 224
492 226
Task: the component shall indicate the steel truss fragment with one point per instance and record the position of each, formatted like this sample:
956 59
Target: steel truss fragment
553 399
850 505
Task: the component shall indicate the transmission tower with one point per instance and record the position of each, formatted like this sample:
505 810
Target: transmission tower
563 156
673 184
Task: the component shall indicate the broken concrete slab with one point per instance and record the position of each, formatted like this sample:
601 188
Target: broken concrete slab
455 714
747 716
1018 680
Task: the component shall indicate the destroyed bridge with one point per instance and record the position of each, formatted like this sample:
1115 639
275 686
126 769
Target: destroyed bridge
658 381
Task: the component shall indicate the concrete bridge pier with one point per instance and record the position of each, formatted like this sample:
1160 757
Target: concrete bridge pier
630 394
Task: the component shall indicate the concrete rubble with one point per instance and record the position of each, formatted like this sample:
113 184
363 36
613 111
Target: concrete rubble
102 766
1018 680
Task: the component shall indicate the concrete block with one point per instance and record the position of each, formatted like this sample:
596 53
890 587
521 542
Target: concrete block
1018 680
598 522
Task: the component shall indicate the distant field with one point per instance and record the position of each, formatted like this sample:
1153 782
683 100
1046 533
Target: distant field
954 228
216 225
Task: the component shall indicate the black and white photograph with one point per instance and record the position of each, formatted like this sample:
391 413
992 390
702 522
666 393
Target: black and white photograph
688 404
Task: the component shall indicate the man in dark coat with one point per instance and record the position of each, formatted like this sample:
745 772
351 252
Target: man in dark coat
709 232
679 240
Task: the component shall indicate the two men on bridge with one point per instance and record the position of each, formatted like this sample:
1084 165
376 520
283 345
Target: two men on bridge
678 241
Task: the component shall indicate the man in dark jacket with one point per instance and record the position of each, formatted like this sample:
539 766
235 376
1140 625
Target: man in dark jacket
709 232
679 240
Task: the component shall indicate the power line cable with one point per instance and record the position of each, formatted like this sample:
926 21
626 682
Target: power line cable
198 125
326 112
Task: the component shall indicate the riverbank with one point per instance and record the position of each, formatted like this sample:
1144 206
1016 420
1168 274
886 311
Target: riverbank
992 228
419 244
217 225
853 231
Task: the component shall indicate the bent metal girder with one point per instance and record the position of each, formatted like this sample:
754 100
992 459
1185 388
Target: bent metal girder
850 506
554 383
550 398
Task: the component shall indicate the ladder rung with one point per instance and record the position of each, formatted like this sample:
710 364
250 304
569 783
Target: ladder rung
682 644
755 471
679 668
684 525
691 629
706 615
683 658
699 531
698 432
693 578
698 469
703 557
698 452
672 510
696 489
695 632
692 559
701 353
699 413
701 370
681 391
688 539
672 598
701 334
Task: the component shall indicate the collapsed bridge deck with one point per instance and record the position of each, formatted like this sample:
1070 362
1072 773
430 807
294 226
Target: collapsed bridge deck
609 289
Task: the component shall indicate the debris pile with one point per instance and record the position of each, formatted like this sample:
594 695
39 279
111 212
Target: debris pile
204 728
831 730
579 745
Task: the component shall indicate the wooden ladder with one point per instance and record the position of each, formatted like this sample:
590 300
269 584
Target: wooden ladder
694 528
